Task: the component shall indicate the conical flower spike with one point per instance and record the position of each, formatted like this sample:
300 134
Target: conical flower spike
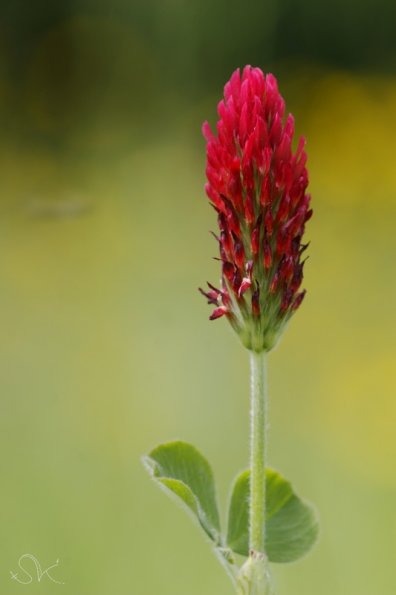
257 185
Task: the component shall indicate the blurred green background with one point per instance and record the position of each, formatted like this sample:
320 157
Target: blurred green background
106 348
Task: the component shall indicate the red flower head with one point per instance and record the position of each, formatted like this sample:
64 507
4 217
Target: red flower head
257 186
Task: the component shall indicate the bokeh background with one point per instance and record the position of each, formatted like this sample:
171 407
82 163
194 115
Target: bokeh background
106 349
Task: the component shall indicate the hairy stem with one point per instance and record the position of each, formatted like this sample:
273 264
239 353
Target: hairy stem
258 422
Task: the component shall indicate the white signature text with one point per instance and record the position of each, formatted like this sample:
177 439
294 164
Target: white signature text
30 571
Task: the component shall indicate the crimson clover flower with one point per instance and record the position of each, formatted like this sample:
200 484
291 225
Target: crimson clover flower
257 185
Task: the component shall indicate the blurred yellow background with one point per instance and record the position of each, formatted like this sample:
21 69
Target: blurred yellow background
106 346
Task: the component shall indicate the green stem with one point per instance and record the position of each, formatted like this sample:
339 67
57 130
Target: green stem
258 421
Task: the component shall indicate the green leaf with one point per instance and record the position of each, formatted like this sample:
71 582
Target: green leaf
291 524
183 471
238 515
293 531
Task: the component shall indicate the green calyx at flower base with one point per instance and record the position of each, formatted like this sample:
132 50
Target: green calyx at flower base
257 186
